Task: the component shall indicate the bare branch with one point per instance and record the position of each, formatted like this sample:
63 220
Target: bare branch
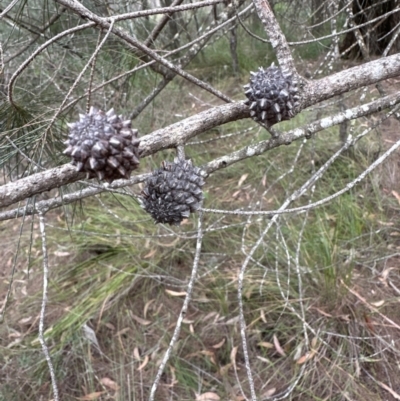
46 205
38 51
184 309
165 10
37 183
105 24
160 25
304 42
307 131
68 171
181 131
42 225
323 201
350 79
8 8
152 62
278 40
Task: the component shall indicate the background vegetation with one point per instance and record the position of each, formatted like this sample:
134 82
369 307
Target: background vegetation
321 291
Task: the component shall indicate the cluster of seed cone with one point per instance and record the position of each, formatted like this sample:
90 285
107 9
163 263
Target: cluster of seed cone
173 192
103 145
272 95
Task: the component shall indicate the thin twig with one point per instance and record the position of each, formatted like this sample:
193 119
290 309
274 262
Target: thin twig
184 307
23 154
371 307
152 62
79 77
42 225
44 46
93 65
304 42
321 202
165 10
8 8
104 23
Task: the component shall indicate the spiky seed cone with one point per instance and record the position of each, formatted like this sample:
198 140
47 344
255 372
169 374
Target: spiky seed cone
173 191
103 145
272 95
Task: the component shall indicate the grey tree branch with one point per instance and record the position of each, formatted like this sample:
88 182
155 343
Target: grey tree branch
49 204
160 25
278 40
180 132
175 7
105 24
287 138
38 51
42 225
212 166
184 308
350 79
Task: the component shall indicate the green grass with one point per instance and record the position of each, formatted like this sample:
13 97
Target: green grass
111 275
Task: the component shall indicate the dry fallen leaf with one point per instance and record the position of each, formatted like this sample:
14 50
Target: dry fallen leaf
141 321
91 396
386 223
209 396
14 334
14 343
136 353
61 254
210 354
385 274
110 326
306 357
105 381
264 180
265 344
263 359
396 195
144 363
242 179
146 307
378 303
220 344
233 355
176 293
262 316
123 331
323 312
25 320
269 393
150 254
278 347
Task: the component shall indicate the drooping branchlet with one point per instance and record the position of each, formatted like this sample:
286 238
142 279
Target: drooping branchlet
272 95
173 191
103 145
